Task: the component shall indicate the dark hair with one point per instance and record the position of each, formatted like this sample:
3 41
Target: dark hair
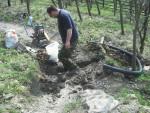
51 8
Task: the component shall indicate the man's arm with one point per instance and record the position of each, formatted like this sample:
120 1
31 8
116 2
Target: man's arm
68 38
68 27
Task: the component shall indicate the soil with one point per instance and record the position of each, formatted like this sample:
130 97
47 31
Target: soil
51 91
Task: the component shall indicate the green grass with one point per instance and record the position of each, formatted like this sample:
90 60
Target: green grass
145 77
113 62
73 105
17 71
13 110
142 94
125 93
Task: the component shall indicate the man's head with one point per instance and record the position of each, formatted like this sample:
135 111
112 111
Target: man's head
52 11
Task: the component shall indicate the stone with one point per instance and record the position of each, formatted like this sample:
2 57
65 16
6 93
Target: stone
98 101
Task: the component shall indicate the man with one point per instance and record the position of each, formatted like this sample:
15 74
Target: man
68 33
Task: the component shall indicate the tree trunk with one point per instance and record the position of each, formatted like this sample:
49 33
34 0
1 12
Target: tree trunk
60 4
90 4
28 7
21 1
103 3
77 5
54 2
145 27
88 7
9 3
98 9
130 9
115 7
137 16
121 17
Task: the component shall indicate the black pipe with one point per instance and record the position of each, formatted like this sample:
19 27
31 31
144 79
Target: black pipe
117 69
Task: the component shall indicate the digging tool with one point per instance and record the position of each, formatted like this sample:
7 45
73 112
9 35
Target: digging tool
49 38
46 36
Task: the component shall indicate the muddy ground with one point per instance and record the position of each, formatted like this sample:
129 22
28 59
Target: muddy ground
53 89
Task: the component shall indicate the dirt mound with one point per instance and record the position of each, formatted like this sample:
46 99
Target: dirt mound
90 67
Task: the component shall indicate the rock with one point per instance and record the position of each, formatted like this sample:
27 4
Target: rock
98 101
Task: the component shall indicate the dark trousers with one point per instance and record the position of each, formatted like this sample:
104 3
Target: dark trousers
66 57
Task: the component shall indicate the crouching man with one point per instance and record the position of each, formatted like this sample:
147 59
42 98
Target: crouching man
68 33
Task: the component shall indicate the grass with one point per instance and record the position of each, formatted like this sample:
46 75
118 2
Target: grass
72 106
145 77
142 94
9 111
142 99
113 62
17 71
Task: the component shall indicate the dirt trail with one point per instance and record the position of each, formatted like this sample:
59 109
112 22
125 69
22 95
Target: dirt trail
21 31
6 26
51 95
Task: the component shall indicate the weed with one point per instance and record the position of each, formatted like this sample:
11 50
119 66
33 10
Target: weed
124 93
73 105
9 111
112 61
144 77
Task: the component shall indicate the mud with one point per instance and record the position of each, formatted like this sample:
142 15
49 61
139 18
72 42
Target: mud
90 67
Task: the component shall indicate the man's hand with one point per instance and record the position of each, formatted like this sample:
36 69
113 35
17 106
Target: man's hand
67 45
